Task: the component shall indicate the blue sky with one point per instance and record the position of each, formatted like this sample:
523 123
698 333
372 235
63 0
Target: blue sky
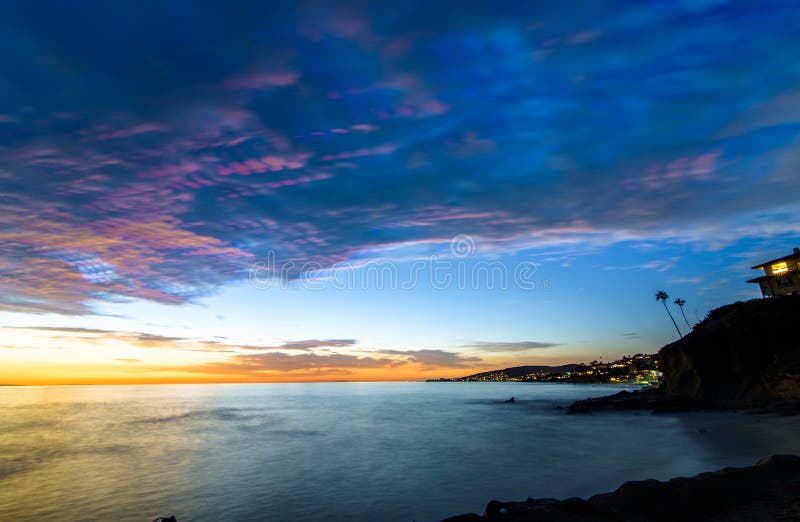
152 153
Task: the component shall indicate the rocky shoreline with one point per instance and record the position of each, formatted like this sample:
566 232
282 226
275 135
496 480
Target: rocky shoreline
768 491
652 399
743 356
657 401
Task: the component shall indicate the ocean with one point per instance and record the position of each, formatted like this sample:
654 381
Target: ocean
341 451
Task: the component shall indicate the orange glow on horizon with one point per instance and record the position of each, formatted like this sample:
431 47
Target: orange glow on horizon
31 356
62 373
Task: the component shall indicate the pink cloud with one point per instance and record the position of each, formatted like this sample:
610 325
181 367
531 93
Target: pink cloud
299 180
660 174
185 167
262 80
66 266
387 148
364 127
264 164
141 128
471 144
583 37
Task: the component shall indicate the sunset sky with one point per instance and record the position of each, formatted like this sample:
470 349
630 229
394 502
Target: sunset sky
262 191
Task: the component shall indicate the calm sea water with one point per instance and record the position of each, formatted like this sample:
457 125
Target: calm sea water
339 451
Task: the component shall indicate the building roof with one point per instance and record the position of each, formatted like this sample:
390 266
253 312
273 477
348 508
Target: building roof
793 255
759 279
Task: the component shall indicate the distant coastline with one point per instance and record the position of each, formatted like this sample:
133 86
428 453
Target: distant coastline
633 369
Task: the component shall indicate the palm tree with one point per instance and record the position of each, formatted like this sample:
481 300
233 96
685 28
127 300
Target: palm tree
663 296
680 302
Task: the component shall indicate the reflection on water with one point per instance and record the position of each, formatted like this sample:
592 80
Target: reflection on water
340 451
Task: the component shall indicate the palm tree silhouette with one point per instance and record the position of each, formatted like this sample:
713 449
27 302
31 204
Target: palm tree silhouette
663 296
680 302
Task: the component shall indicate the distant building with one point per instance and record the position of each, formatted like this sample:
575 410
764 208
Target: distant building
781 276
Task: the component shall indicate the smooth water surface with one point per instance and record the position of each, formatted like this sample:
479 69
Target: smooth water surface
340 451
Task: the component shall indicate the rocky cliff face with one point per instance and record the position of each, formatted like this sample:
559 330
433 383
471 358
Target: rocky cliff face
743 354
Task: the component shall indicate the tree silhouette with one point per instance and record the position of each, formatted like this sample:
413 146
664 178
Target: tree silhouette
663 296
680 302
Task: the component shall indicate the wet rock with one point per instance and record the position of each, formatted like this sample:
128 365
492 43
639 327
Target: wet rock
469 517
765 492
648 399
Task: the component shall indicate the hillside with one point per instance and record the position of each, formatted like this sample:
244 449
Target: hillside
515 373
639 368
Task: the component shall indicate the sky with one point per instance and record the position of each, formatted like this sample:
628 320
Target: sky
305 191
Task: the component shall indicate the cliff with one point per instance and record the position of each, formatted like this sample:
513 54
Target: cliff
742 355
768 491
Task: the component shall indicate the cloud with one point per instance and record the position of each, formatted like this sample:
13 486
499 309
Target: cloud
284 362
136 339
63 329
686 280
521 346
435 358
262 80
135 168
134 130
317 343
300 358
149 340
658 265
297 359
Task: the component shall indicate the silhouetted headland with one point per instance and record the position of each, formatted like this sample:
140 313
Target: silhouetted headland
632 369
745 355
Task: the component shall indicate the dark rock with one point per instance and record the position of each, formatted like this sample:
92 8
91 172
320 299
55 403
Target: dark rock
579 506
768 491
745 355
469 517
648 399
493 509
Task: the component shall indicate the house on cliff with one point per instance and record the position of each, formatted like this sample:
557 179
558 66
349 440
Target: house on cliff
781 276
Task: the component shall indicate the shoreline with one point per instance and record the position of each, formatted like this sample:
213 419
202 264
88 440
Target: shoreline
657 400
766 491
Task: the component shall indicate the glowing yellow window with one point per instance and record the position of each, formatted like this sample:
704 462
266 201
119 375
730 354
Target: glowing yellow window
779 268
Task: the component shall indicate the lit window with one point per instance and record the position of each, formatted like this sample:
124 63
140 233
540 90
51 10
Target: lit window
779 268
